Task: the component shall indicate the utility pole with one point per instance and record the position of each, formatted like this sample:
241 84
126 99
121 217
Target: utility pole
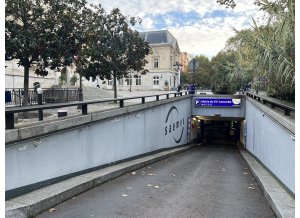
193 64
178 70
194 67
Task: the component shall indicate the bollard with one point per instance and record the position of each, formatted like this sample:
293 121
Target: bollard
9 121
40 102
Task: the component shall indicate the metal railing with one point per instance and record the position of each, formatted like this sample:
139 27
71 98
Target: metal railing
13 97
10 111
275 103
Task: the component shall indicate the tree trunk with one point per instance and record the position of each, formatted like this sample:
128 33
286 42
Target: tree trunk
80 94
115 84
26 84
80 88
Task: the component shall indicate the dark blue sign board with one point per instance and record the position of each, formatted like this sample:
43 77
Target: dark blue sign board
7 96
218 102
191 89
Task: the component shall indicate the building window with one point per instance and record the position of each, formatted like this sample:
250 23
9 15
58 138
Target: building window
129 80
155 63
138 80
110 82
156 80
121 82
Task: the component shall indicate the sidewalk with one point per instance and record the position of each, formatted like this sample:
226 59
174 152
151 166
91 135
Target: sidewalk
74 111
281 202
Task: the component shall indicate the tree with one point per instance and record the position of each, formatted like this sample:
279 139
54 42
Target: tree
204 73
221 65
41 33
245 67
74 80
268 51
117 50
227 3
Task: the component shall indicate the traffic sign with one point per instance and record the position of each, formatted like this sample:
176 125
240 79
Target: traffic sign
193 64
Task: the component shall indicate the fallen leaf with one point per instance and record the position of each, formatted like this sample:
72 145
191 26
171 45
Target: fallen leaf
74 198
149 167
172 174
245 168
51 210
124 195
245 173
251 188
133 173
156 186
151 174
149 185
128 188
143 172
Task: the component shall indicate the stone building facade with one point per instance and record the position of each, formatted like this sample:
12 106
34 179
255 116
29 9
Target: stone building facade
162 75
184 60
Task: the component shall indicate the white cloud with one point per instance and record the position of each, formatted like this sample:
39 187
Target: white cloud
148 23
204 40
205 35
155 7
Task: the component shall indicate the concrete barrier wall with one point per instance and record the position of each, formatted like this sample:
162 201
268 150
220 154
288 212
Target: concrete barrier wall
271 142
156 126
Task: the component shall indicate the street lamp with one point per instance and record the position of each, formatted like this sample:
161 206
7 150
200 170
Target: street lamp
178 69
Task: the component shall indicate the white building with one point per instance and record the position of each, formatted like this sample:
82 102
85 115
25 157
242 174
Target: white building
14 77
162 75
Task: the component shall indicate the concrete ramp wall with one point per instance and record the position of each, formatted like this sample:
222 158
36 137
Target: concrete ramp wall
93 140
270 137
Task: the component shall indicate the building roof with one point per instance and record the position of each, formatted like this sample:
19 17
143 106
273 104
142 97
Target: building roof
160 37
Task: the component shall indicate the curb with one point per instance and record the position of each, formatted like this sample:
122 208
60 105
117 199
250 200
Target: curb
33 203
281 202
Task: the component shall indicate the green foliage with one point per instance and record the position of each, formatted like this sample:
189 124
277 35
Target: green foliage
74 79
54 34
227 3
204 73
185 78
221 65
42 33
267 51
116 49
62 79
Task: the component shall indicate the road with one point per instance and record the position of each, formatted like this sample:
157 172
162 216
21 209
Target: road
208 181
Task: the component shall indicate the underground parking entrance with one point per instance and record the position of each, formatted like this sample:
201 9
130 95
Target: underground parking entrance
217 130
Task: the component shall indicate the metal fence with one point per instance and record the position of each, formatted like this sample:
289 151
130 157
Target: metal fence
14 97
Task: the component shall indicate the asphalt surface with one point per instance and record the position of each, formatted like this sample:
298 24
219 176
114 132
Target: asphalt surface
206 181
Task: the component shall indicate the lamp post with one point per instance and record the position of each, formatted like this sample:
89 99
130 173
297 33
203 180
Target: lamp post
178 69
40 102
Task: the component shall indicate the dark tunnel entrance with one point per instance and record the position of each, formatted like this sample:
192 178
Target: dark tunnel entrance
217 130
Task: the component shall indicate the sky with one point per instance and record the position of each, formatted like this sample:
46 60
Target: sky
200 26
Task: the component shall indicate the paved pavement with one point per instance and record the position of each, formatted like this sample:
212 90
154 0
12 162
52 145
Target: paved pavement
206 181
